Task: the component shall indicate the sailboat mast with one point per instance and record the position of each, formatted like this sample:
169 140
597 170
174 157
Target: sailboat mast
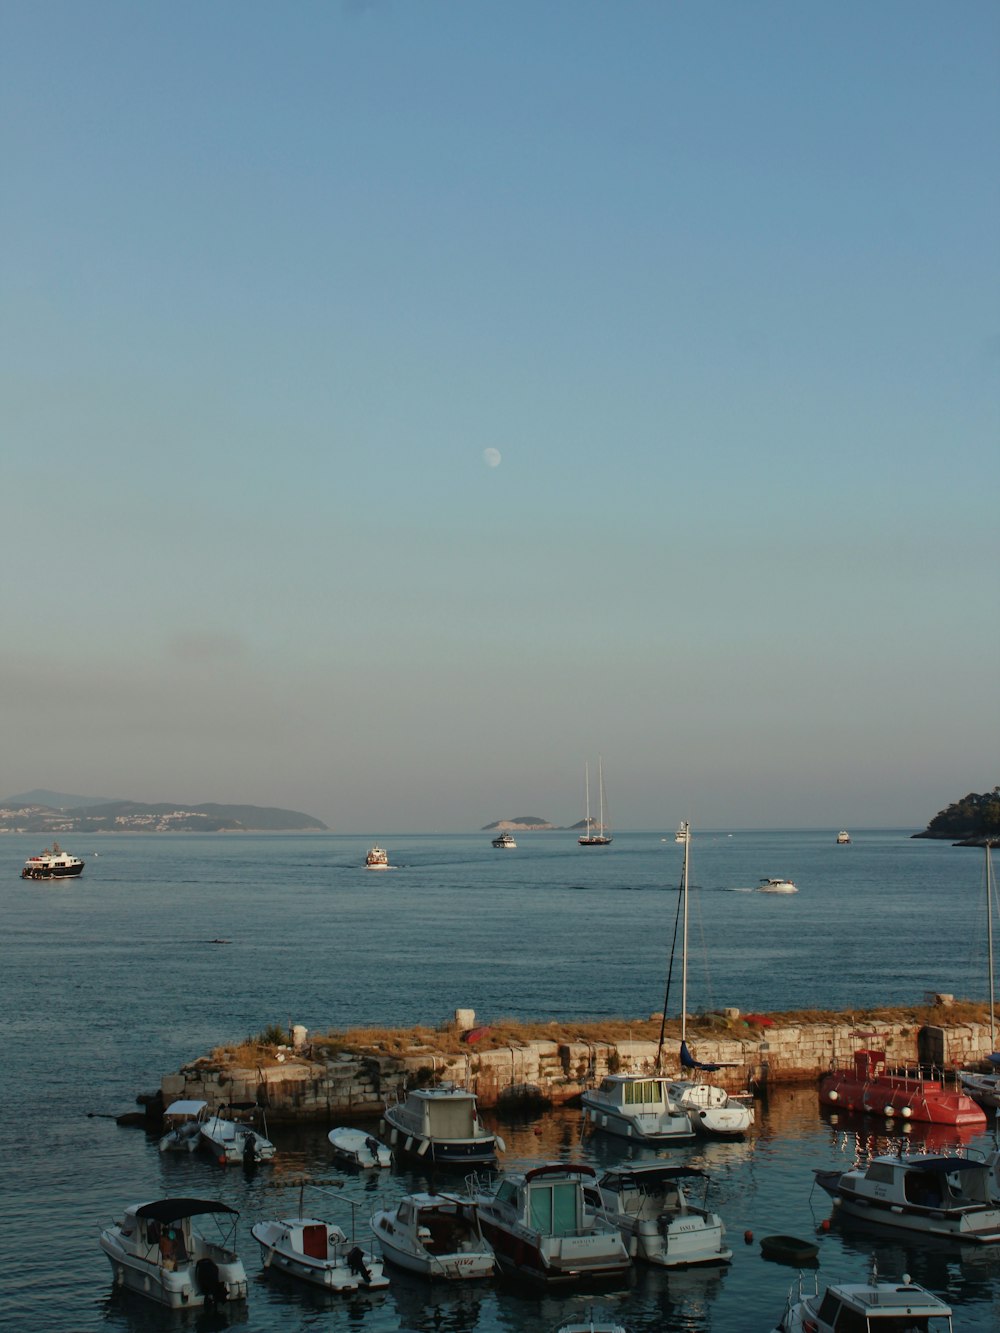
600 785
684 942
990 895
586 784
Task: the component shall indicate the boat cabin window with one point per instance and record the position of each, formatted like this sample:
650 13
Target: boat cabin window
507 1193
644 1092
927 1189
553 1208
880 1173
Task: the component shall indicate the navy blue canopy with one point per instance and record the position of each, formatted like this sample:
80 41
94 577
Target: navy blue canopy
689 1062
172 1210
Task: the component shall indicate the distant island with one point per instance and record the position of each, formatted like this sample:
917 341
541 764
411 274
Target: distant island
31 812
532 823
972 821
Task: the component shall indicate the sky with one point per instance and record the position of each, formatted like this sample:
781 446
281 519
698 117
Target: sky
403 404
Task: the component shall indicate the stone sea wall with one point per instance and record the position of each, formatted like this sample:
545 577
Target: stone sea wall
336 1088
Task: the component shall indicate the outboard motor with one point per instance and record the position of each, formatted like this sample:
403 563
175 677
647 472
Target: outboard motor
206 1276
249 1151
356 1263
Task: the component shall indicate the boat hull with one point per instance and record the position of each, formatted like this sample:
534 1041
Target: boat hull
330 1272
898 1096
52 872
557 1261
640 1128
178 1288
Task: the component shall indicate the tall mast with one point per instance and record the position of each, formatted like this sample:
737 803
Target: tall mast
586 783
600 784
990 894
684 939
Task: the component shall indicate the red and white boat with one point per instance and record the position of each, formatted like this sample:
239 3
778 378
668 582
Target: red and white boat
871 1088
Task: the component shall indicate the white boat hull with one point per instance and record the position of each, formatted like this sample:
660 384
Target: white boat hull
639 1127
181 1287
283 1246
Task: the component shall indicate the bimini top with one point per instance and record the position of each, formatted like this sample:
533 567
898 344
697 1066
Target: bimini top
947 1164
653 1172
172 1210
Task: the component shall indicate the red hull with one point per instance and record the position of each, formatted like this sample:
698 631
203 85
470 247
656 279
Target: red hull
868 1087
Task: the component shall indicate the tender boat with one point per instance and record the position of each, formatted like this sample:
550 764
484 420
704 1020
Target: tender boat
776 886
157 1252
441 1125
230 1137
505 840
317 1252
358 1148
547 1226
790 1250
650 1207
843 837
934 1195
182 1122
377 858
868 1307
54 864
909 1094
435 1235
639 1107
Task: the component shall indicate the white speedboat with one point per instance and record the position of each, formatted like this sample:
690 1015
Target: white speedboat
869 1307
843 837
358 1148
435 1235
230 1136
377 858
182 1125
547 1226
650 1207
157 1252
52 864
712 1110
639 1107
505 840
441 1125
776 886
934 1195
319 1253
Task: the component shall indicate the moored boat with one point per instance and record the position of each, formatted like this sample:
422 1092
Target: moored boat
637 1106
789 1250
157 1252
650 1206
870 1087
358 1148
441 1125
435 1235
53 863
230 1136
712 1111
182 1125
868 1307
319 1253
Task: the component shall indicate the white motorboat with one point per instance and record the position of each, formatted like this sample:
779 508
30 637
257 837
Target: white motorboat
547 1226
776 886
442 1125
934 1195
505 840
639 1107
230 1136
182 1122
843 837
317 1252
52 864
602 837
377 858
359 1148
868 1307
650 1206
436 1235
157 1252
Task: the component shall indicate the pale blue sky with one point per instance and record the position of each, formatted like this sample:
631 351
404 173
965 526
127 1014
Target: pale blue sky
719 281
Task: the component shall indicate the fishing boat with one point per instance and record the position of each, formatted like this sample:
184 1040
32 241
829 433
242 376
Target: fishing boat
984 1086
868 1086
505 840
547 1226
359 1149
53 863
435 1235
157 1252
659 1224
441 1125
602 837
230 1136
711 1110
317 1252
377 858
843 838
182 1122
776 886
868 1307
935 1195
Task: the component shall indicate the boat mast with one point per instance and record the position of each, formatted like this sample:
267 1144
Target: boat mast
990 895
600 786
685 829
586 783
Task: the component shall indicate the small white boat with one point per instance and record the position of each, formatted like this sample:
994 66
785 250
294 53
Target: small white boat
358 1148
377 858
505 840
843 837
230 1136
54 864
319 1253
776 886
869 1307
936 1195
435 1235
157 1252
712 1111
182 1125
441 1125
639 1107
650 1207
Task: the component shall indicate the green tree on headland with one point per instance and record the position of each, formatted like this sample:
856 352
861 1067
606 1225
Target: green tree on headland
974 818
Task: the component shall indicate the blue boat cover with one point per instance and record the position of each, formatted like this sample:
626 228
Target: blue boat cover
994 1059
689 1062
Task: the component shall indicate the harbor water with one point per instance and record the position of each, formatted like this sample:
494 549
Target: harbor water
171 944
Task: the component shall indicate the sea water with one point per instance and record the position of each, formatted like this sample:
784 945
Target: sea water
114 979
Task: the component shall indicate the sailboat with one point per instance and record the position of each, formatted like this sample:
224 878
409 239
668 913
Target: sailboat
601 838
985 1088
711 1110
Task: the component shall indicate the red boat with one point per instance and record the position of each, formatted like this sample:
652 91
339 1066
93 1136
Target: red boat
870 1087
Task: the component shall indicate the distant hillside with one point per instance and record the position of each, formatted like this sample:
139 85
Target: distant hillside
974 819
55 800
518 822
162 817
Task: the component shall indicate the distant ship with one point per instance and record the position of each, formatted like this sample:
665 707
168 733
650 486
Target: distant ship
54 864
843 836
377 858
504 840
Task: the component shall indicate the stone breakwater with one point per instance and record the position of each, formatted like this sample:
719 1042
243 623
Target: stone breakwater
303 1086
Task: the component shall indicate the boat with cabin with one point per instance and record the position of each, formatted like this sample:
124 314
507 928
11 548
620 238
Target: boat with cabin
53 863
377 858
911 1094
231 1135
441 1125
358 1148
157 1252
767 885
435 1235
505 839
933 1194
638 1107
867 1307
547 1226
650 1205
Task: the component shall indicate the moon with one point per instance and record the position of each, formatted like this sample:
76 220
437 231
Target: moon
491 457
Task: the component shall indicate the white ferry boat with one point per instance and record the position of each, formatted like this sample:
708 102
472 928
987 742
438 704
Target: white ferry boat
377 858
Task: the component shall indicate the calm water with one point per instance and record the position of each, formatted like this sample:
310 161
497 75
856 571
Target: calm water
111 981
